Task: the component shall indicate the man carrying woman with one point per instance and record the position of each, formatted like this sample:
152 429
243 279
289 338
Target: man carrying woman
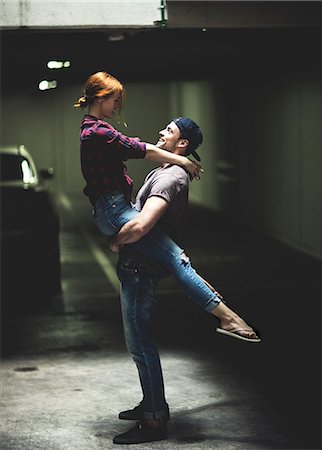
162 200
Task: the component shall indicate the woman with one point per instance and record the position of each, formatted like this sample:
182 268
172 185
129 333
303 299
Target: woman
109 188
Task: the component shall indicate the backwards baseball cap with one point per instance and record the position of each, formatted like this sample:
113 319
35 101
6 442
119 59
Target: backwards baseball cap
189 130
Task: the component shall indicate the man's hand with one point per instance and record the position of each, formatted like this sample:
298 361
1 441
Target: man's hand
135 229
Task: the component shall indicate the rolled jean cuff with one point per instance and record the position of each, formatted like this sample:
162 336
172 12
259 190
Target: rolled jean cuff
212 303
155 415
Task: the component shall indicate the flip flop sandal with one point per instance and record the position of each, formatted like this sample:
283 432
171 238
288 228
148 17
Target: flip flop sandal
236 333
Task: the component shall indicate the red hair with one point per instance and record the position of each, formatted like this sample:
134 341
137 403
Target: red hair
98 85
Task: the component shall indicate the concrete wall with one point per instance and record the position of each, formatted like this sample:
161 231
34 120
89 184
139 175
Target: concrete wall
78 13
232 14
279 135
144 13
197 100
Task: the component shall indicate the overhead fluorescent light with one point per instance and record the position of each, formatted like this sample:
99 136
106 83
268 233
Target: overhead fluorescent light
44 85
58 64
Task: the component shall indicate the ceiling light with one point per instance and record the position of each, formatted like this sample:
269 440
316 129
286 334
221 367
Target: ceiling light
58 64
114 37
44 85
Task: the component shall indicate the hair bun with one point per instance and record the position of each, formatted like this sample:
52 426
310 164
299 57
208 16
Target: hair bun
81 102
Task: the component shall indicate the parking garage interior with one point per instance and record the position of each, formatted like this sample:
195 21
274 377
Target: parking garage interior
253 229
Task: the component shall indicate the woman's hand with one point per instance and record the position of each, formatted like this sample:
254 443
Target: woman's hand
154 153
194 169
113 245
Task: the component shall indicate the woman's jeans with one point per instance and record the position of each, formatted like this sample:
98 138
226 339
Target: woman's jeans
111 212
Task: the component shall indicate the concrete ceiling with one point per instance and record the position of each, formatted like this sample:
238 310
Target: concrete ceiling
160 53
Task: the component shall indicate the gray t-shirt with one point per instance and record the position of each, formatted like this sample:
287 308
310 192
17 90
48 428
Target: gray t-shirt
171 183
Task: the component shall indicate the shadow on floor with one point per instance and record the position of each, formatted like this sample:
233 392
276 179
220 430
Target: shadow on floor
275 288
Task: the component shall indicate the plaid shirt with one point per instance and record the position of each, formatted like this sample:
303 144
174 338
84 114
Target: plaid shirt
103 150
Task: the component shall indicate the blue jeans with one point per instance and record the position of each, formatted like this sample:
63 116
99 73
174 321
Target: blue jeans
138 297
112 211
138 300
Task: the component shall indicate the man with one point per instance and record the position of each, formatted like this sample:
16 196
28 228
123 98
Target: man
162 200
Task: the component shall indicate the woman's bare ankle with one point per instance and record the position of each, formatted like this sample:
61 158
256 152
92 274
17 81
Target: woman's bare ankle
228 318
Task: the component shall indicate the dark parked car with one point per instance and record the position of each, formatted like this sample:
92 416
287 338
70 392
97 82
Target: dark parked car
30 227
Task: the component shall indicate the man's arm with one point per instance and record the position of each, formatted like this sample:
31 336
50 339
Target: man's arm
135 229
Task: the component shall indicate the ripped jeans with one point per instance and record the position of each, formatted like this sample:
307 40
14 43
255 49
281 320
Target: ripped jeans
113 210
138 302
138 297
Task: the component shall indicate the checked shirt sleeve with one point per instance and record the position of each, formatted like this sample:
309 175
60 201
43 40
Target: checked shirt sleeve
126 147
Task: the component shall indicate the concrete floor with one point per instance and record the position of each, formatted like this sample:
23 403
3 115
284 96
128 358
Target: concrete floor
65 373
